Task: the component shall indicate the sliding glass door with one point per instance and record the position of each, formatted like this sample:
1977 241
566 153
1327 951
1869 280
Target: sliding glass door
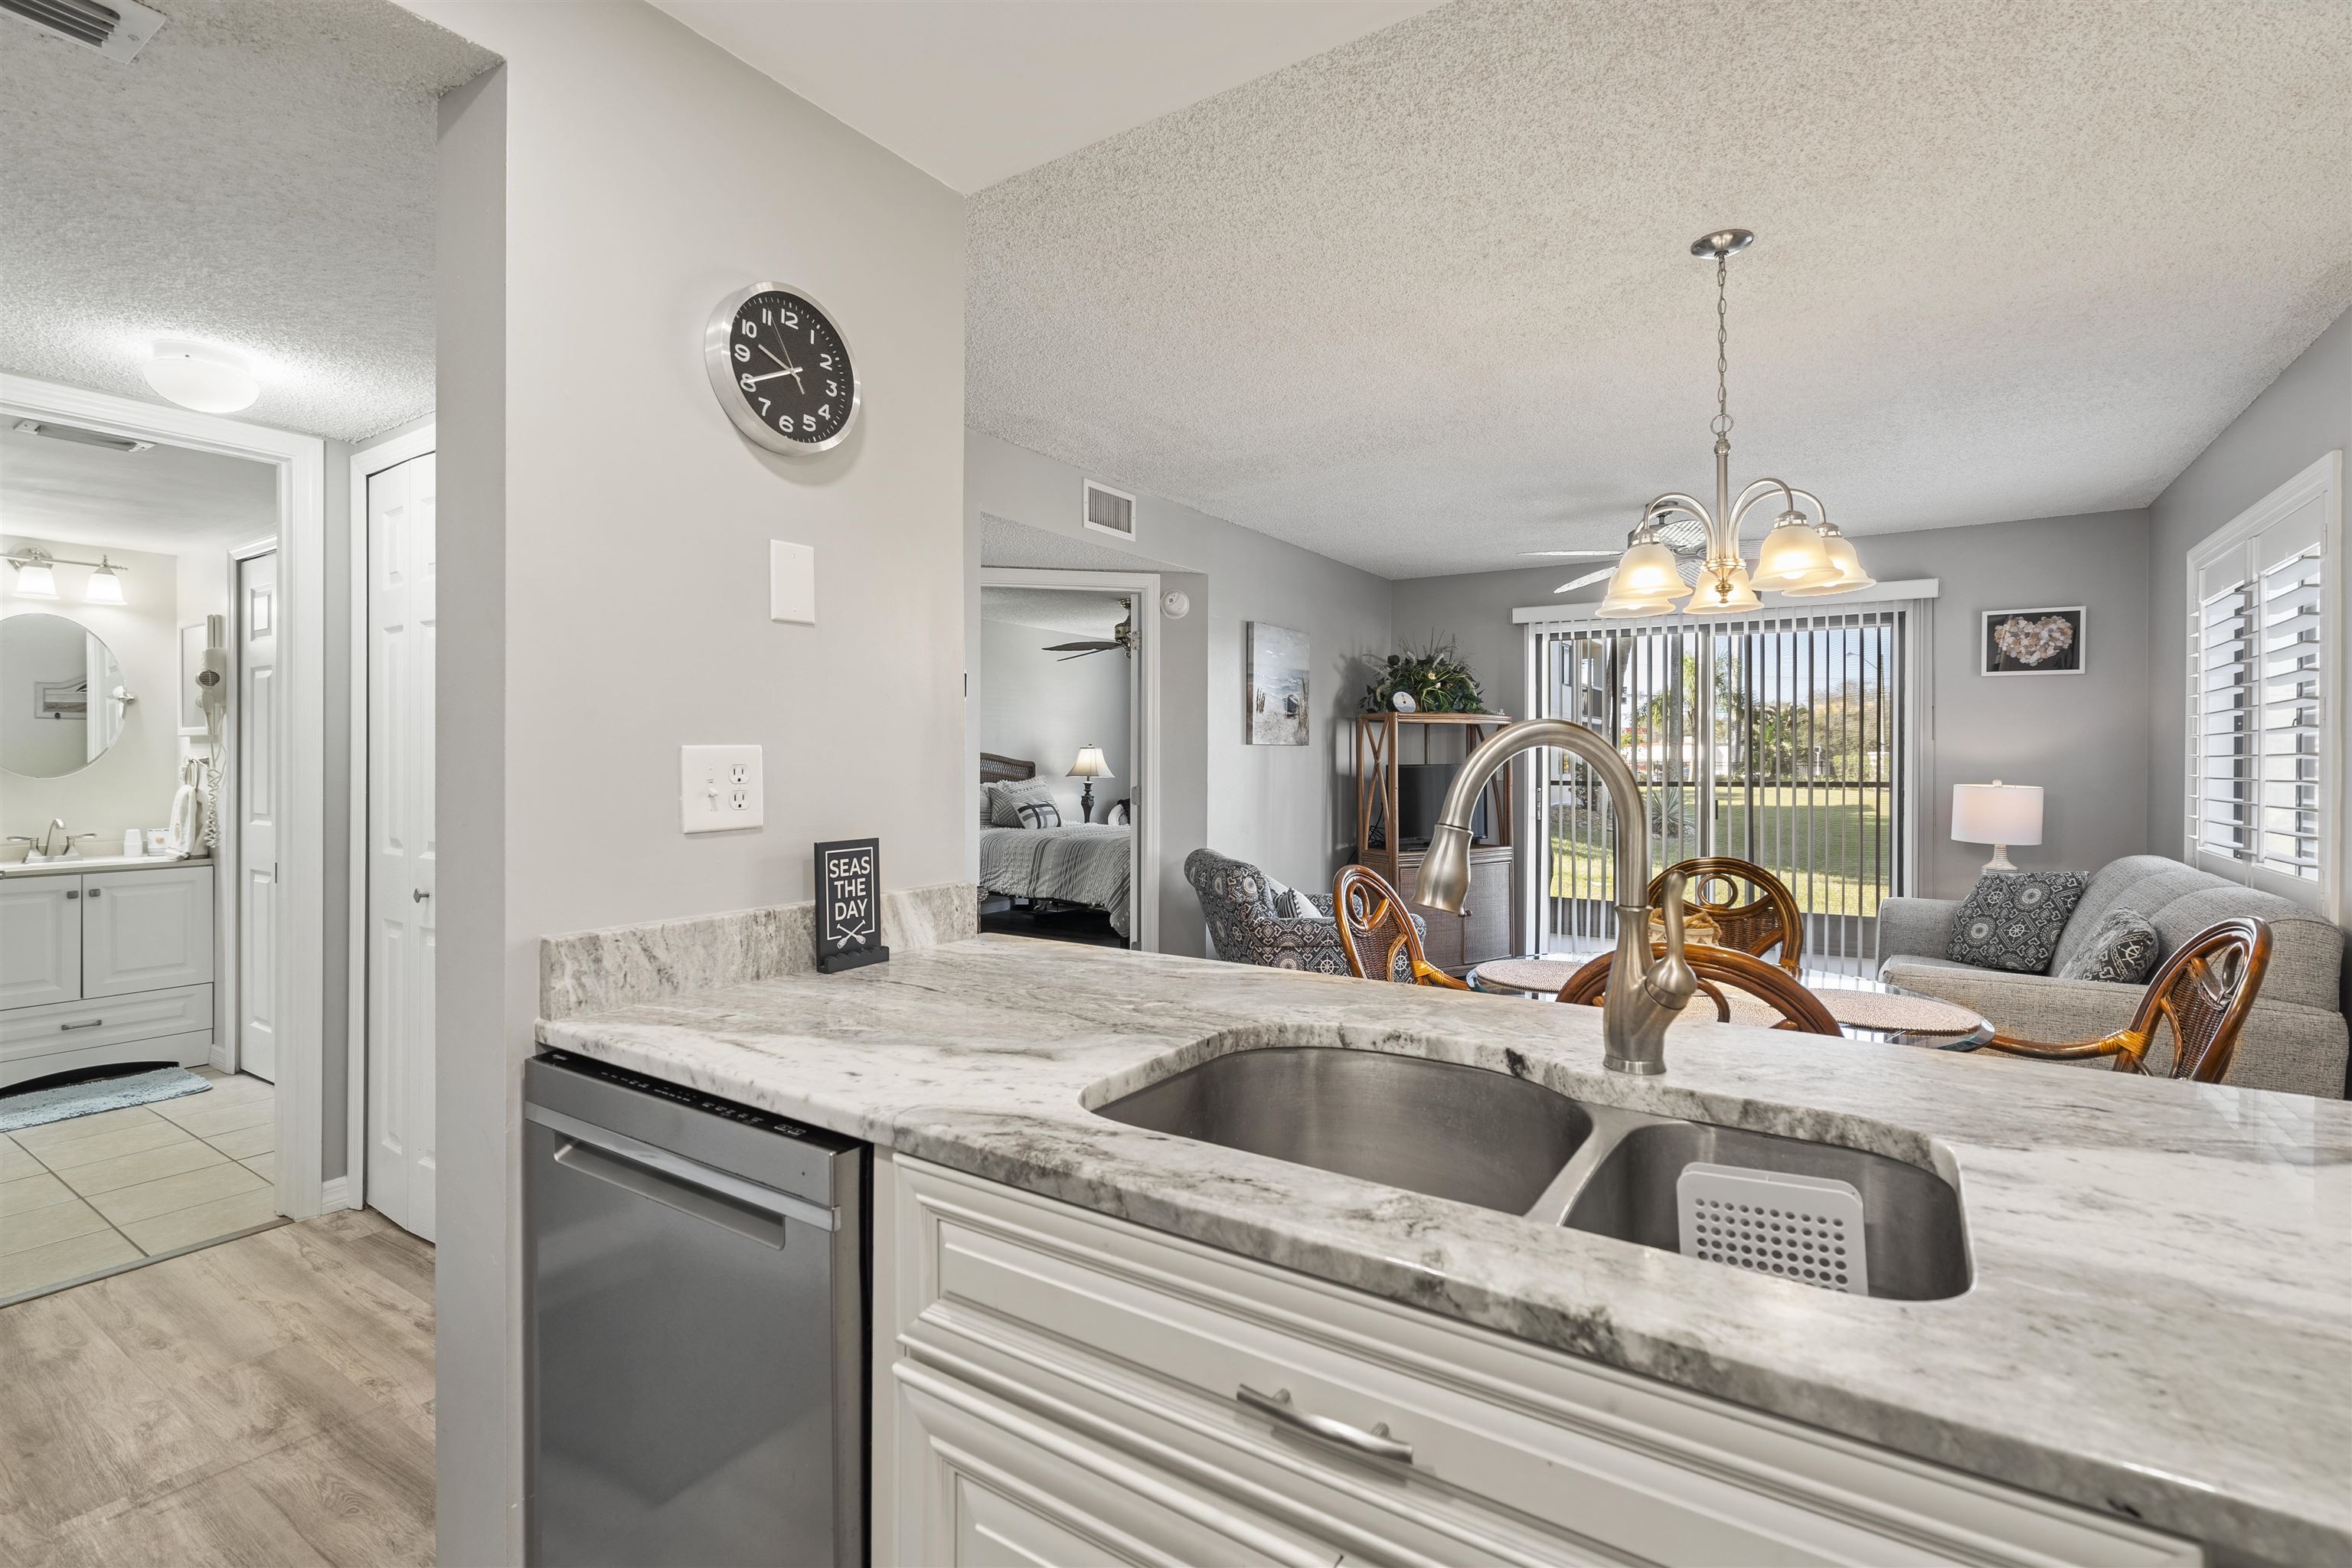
1779 739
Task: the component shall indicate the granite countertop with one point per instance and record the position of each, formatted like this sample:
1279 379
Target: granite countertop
2161 1318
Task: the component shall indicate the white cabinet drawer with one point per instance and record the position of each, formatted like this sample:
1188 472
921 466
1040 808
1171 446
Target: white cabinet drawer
1519 1454
104 1021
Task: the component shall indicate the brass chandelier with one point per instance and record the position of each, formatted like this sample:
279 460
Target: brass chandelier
1802 554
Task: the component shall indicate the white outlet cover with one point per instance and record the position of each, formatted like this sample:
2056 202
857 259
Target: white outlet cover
720 789
792 582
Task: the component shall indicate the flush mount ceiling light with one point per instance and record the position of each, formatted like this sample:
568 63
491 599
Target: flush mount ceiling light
200 377
1802 553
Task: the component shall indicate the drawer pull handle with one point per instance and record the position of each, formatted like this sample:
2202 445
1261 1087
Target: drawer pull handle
85 1024
1376 1442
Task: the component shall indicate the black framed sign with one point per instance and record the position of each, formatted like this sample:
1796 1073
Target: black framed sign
849 904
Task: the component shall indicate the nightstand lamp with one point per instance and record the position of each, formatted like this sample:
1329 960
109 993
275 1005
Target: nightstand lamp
1089 766
1997 814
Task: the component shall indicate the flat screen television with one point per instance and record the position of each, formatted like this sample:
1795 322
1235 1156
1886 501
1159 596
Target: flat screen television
1421 791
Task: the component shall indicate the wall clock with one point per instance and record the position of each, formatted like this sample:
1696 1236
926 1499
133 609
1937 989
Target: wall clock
782 369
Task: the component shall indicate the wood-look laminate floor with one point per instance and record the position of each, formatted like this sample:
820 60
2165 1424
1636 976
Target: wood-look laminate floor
268 1401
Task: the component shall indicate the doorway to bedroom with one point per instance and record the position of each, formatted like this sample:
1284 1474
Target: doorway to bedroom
1064 710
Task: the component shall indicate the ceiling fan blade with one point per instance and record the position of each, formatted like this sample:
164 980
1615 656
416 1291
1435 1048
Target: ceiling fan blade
1589 578
1564 555
1092 645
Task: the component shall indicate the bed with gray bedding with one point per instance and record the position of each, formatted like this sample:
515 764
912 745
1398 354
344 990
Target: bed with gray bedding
1088 864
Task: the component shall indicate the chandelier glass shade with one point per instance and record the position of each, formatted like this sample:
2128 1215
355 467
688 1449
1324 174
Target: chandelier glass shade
1802 554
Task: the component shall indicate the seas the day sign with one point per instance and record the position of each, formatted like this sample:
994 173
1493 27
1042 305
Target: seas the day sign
849 904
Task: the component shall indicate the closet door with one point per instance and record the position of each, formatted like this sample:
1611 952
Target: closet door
259 738
400 837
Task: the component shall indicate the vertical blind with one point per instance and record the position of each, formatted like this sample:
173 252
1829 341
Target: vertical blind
1778 738
2256 722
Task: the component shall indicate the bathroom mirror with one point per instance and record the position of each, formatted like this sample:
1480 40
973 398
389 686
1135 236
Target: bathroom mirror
61 697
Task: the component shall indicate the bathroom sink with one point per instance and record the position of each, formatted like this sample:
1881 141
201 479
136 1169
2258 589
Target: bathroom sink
1439 1128
1917 1244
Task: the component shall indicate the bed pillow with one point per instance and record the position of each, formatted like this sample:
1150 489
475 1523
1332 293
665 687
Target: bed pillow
1005 800
1038 814
2122 948
2014 919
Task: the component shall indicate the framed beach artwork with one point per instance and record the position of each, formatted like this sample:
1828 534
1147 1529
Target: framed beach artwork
1277 686
2035 642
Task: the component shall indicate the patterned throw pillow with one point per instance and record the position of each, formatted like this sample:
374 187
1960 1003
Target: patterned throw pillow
2014 919
1038 814
1005 800
2122 948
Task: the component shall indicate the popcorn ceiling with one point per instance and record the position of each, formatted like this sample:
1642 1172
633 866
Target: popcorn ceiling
261 176
1425 302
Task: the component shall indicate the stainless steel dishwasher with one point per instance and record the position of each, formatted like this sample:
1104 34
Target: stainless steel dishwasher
695 1273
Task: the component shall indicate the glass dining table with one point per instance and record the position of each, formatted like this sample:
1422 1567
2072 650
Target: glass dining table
1865 1008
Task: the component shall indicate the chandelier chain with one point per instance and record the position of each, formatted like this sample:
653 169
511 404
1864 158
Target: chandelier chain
1721 423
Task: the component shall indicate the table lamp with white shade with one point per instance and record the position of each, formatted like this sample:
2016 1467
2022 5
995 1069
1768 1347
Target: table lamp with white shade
1089 766
1997 814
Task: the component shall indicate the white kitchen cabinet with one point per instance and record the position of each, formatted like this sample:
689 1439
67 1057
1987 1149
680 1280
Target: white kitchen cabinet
105 967
1054 1385
40 940
146 931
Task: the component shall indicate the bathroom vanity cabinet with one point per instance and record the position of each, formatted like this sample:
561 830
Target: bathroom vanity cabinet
1053 1385
105 967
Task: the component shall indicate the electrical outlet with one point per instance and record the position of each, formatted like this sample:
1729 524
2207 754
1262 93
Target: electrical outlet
719 789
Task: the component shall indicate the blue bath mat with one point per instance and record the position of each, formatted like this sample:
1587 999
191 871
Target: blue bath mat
38 1107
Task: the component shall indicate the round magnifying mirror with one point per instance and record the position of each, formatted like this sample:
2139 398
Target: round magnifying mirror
61 697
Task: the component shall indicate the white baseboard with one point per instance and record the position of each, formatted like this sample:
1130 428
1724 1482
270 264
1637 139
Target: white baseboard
335 1193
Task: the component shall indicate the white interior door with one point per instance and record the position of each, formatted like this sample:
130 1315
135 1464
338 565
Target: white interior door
261 731
400 837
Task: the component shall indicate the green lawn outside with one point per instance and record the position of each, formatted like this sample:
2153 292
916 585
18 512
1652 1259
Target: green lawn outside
1847 834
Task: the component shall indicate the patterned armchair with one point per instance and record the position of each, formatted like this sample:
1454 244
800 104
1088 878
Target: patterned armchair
1239 901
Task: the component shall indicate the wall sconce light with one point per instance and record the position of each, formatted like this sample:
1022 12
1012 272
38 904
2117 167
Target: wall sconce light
33 578
105 587
36 576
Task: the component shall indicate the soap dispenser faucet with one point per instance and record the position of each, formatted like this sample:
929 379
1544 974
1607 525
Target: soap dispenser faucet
1643 997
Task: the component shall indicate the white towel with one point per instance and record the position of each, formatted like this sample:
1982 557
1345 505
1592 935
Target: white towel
180 837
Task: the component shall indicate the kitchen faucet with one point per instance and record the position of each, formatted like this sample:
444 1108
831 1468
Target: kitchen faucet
1643 997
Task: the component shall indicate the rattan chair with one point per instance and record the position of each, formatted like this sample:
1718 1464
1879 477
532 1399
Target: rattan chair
1801 1012
1376 932
2203 991
1769 920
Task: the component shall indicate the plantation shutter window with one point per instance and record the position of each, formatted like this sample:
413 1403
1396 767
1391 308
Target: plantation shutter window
2263 645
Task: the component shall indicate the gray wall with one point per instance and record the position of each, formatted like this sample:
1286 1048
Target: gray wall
1044 706
604 568
2300 417
2083 738
1290 809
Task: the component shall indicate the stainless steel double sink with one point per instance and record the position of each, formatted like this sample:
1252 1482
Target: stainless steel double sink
1502 1142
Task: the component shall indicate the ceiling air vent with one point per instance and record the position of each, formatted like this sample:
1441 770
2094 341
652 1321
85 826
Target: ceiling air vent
1108 510
117 30
75 433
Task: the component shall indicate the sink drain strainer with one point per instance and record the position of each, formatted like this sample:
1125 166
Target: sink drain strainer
1806 1228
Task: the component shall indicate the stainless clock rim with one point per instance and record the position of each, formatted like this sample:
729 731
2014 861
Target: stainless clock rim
717 339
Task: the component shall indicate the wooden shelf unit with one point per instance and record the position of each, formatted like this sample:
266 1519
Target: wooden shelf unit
1483 929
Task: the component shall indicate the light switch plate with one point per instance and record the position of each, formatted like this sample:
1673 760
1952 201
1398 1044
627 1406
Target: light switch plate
792 582
720 789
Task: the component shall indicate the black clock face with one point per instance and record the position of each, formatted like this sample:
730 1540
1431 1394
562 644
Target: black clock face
791 368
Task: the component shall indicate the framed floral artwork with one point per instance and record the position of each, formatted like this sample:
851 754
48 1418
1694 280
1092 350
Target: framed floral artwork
2036 642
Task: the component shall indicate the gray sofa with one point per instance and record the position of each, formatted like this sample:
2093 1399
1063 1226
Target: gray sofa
2295 1038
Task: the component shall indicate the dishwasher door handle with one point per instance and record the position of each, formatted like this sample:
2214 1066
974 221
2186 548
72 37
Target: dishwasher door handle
663 1174
728 1214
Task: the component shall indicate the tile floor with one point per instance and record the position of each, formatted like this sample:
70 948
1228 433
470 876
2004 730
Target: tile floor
99 1191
